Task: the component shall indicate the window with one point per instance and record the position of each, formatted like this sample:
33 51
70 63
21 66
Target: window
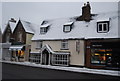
102 27
78 46
39 45
67 28
20 37
60 59
101 56
43 30
35 58
64 44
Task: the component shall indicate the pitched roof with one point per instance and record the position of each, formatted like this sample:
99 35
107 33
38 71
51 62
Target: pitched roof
81 29
12 26
28 26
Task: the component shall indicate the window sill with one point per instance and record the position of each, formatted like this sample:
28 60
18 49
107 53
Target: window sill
64 49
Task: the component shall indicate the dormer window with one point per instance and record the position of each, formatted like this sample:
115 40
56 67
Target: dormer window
103 26
44 28
67 27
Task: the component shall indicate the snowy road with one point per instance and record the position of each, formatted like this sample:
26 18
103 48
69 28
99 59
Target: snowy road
13 71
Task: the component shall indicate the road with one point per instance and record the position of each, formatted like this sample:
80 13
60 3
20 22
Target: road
12 71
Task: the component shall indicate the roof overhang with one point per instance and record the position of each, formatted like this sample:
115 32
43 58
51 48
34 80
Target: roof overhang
103 19
69 23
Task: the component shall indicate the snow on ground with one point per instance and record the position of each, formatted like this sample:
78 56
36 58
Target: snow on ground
73 69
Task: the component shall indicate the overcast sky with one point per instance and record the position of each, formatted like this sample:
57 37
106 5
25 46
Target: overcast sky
35 12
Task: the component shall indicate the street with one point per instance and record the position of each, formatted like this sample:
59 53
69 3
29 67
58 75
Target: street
12 71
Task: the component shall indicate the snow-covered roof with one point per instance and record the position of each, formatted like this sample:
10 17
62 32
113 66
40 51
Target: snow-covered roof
103 19
49 49
28 26
12 25
81 29
69 23
45 25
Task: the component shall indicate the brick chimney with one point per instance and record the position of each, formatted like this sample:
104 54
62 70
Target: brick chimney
86 13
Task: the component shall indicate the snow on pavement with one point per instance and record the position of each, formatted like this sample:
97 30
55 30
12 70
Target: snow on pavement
73 69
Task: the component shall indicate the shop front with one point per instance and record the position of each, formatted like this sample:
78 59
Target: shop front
103 55
17 52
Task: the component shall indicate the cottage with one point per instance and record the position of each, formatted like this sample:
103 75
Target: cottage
21 44
7 37
89 40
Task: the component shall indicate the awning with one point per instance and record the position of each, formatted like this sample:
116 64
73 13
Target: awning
16 47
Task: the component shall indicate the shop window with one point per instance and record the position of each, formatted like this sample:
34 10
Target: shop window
101 56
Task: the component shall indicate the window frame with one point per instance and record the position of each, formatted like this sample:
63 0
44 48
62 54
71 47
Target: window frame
43 30
65 43
102 27
64 27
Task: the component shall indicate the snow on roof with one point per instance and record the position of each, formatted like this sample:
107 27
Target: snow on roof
69 23
46 46
45 25
103 19
81 29
29 27
12 25
49 49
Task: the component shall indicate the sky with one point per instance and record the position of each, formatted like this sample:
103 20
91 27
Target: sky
36 12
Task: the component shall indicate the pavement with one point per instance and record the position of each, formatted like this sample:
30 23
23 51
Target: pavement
72 69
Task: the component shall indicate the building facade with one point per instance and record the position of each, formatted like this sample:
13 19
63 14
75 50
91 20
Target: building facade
21 45
7 38
88 40
16 42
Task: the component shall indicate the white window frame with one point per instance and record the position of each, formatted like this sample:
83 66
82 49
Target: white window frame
67 28
64 44
60 59
103 31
